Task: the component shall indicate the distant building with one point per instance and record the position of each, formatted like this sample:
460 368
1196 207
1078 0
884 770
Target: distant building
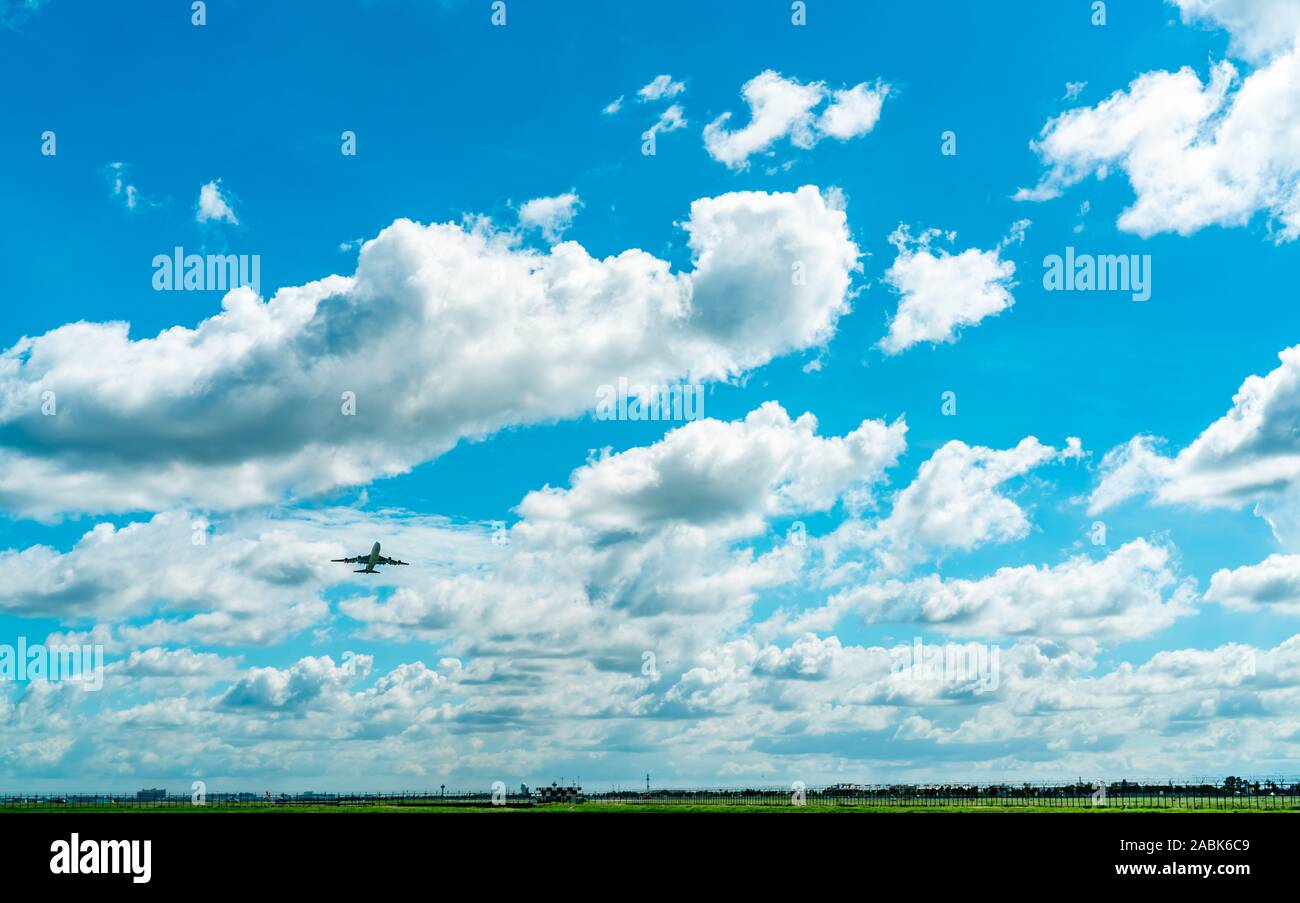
151 794
558 794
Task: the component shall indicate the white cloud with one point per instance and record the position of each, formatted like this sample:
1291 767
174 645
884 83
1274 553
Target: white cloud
1196 154
852 111
246 408
660 87
955 503
551 215
1134 591
1250 454
311 682
941 292
710 473
183 664
1135 468
1271 585
670 120
783 108
613 106
1260 28
214 205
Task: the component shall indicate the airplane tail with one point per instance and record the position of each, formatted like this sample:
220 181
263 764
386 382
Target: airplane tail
365 571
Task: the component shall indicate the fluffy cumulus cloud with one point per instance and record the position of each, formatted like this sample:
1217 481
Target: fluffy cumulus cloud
1134 591
784 108
1271 585
1259 28
852 111
1249 455
940 293
711 472
421 346
214 205
955 503
174 664
309 682
551 216
1197 152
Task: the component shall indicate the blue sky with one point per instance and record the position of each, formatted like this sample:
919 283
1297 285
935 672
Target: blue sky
523 661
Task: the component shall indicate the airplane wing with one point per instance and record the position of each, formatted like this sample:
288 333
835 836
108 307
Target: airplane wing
357 560
384 560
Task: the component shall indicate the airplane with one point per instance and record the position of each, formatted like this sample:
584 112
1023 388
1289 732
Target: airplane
370 561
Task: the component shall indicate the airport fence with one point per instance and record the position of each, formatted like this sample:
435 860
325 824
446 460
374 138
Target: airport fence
1230 794
1119 795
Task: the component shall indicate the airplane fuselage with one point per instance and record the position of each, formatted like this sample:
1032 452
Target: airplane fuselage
370 563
